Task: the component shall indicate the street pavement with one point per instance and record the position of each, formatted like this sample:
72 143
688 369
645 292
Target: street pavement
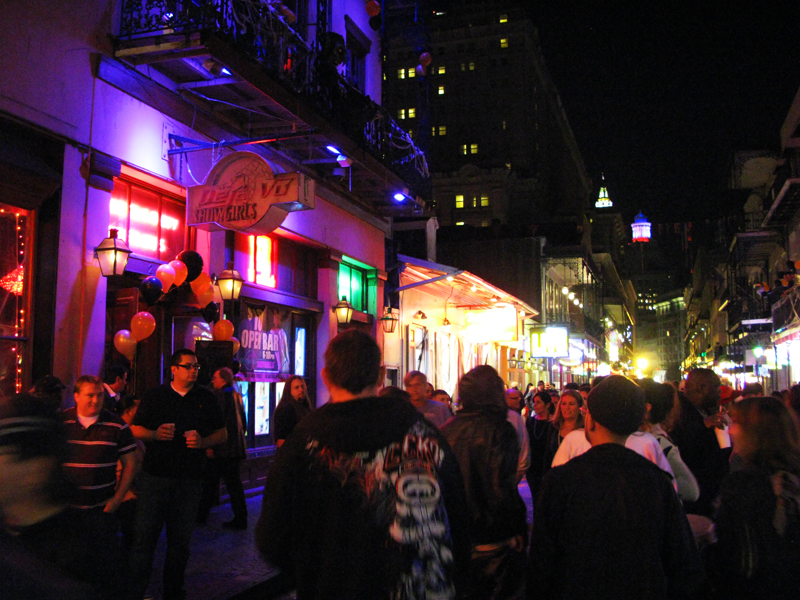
224 564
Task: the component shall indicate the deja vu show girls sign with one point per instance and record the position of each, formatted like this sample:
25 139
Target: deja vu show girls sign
243 194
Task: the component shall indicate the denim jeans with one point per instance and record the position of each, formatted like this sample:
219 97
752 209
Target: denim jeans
170 501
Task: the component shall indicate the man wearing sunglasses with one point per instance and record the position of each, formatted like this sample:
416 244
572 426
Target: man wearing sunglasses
177 421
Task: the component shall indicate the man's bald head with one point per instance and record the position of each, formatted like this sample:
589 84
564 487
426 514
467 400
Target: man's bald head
702 389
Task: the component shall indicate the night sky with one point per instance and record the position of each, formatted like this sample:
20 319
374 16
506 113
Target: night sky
660 97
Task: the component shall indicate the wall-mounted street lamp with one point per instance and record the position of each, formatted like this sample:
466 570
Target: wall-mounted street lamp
112 254
230 283
343 310
388 320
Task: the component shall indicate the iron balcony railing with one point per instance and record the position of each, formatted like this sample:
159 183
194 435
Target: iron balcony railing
258 31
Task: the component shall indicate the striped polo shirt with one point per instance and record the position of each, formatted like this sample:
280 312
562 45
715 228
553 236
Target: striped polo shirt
93 454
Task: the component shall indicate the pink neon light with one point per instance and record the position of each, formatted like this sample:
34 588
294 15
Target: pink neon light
260 268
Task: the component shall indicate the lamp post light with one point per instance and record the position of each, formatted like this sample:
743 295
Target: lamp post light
230 283
112 254
343 310
388 320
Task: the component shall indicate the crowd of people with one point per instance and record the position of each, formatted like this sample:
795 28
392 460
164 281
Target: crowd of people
640 489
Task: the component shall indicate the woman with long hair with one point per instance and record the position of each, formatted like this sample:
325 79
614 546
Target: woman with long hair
293 406
567 418
758 515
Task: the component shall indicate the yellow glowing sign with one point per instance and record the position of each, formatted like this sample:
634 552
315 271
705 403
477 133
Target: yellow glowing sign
549 342
493 325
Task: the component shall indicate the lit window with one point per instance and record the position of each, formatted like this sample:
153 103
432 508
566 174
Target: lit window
412 112
401 114
352 285
442 129
464 149
504 42
262 265
474 202
484 223
441 90
433 131
401 73
504 125
412 73
384 76
472 66
411 133
460 201
504 18
484 200
459 222
463 67
473 148
441 70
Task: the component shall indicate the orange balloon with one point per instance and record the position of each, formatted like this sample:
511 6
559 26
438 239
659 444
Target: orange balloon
206 297
201 283
373 8
143 324
785 282
125 343
236 344
180 271
223 330
166 275
765 286
425 59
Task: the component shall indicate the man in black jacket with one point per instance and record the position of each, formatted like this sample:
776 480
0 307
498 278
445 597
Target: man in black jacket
609 523
365 499
694 435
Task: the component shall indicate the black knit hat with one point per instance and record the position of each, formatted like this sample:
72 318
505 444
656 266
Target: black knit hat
617 404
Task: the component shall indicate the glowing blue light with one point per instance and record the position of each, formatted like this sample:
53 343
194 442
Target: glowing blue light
225 71
168 16
333 149
399 197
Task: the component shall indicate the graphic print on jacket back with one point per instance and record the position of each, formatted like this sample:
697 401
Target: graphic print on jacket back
398 488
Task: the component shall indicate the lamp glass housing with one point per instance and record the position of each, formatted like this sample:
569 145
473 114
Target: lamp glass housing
388 321
230 283
343 310
112 254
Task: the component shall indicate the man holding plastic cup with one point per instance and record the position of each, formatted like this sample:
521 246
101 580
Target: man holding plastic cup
177 421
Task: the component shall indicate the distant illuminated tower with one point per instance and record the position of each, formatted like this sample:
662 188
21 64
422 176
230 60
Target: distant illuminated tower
641 228
603 200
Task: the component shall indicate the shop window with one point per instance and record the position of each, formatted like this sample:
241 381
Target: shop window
283 265
15 252
460 201
149 219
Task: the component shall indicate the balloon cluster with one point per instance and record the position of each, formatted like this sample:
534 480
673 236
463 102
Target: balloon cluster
186 268
425 60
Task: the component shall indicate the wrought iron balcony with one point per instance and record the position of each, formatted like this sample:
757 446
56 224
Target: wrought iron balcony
246 40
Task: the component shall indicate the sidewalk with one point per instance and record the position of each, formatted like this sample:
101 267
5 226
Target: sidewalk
224 565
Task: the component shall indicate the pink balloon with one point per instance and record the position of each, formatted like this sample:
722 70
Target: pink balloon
180 271
125 343
166 274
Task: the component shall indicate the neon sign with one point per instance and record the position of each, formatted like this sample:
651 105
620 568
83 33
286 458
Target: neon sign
261 266
550 342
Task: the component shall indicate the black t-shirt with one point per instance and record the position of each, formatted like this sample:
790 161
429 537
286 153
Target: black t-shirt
198 410
287 415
